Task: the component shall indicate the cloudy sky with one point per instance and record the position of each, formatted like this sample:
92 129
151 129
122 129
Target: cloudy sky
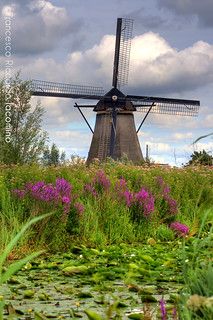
73 41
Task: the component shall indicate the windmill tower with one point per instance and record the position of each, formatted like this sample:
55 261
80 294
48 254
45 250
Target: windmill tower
115 133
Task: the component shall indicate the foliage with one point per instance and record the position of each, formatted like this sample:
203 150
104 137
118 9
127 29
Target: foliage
5 275
22 139
109 203
197 302
52 156
201 158
101 224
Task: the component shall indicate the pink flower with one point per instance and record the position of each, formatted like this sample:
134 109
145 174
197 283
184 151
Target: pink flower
101 181
128 197
79 207
180 228
19 193
65 199
163 309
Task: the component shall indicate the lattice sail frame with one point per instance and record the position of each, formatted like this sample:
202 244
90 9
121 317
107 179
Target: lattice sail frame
124 54
46 87
168 108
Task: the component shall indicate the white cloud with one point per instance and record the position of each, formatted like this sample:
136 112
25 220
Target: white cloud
51 14
161 67
158 147
182 136
39 26
155 66
69 135
159 159
73 142
208 121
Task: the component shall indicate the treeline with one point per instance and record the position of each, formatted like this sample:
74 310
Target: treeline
22 138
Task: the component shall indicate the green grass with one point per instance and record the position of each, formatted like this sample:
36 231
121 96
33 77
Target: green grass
105 220
106 225
13 268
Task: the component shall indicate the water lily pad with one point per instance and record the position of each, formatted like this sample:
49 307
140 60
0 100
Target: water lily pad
84 294
121 304
136 316
39 316
93 315
147 258
28 294
13 280
43 296
76 250
69 271
148 298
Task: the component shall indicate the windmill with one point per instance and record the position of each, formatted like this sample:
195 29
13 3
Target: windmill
115 133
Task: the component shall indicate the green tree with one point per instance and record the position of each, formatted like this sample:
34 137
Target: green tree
22 139
201 158
52 156
46 157
62 157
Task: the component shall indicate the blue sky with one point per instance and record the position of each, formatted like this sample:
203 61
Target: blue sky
73 41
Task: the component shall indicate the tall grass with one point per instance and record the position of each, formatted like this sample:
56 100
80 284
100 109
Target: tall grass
197 302
10 217
13 268
105 220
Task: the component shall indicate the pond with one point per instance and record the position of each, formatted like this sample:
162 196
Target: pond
121 282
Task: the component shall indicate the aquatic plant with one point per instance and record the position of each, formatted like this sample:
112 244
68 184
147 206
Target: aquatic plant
16 266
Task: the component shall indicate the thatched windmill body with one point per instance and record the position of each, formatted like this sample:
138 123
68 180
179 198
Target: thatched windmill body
115 133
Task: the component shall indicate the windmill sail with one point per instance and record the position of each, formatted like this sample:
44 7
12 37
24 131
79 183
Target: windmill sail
180 107
64 90
122 52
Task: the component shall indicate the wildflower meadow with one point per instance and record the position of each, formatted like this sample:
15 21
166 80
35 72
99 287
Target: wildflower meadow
115 241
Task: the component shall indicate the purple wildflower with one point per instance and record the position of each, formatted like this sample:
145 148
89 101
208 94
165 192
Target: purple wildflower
174 314
123 192
173 206
162 303
65 199
37 186
101 181
160 181
149 205
127 195
180 228
171 203
144 201
79 207
141 196
46 193
49 193
19 193
121 185
63 186
166 190
88 188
